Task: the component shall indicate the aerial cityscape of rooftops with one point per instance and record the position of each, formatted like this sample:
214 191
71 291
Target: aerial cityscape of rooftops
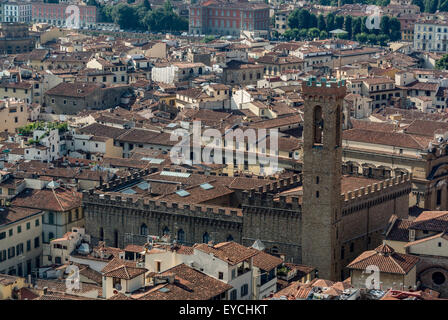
223 150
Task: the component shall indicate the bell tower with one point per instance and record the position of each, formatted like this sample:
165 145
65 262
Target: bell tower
322 157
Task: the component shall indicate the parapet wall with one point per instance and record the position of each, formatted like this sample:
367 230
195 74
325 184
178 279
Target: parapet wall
264 195
147 204
376 188
323 90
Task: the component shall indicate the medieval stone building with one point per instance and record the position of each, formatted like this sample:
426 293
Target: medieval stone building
320 218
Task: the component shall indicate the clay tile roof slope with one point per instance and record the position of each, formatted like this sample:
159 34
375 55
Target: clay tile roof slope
46 199
387 138
386 259
231 252
125 272
431 221
400 231
190 284
265 261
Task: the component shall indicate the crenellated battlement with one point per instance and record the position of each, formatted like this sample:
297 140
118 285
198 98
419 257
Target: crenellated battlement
263 196
376 188
122 181
148 204
312 89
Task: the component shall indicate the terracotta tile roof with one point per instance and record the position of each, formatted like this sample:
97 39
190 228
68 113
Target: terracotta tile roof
230 252
189 284
351 183
400 230
386 259
426 127
374 126
134 248
431 221
323 283
120 296
77 89
14 213
63 296
265 261
58 286
125 272
101 130
387 138
27 294
296 290
91 274
46 199
117 263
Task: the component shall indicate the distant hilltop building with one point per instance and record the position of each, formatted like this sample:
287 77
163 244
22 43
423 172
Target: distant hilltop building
228 17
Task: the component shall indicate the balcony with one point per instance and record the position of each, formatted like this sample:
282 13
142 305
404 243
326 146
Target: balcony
242 270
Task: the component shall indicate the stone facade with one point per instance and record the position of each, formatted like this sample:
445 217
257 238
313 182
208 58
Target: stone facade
322 228
322 154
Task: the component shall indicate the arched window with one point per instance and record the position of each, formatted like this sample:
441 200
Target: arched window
101 234
166 231
205 238
229 238
200 70
318 124
143 230
181 236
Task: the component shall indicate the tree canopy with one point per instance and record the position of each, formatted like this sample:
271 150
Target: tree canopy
304 25
140 16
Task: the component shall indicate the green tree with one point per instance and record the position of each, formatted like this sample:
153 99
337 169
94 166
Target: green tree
302 34
356 27
372 38
313 33
208 39
312 21
339 22
348 26
442 63
443 5
430 5
146 5
361 37
395 29
419 3
382 39
330 22
321 24
299 19
323 34
385 25
364 28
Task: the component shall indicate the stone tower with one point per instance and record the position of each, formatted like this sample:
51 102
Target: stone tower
322 156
